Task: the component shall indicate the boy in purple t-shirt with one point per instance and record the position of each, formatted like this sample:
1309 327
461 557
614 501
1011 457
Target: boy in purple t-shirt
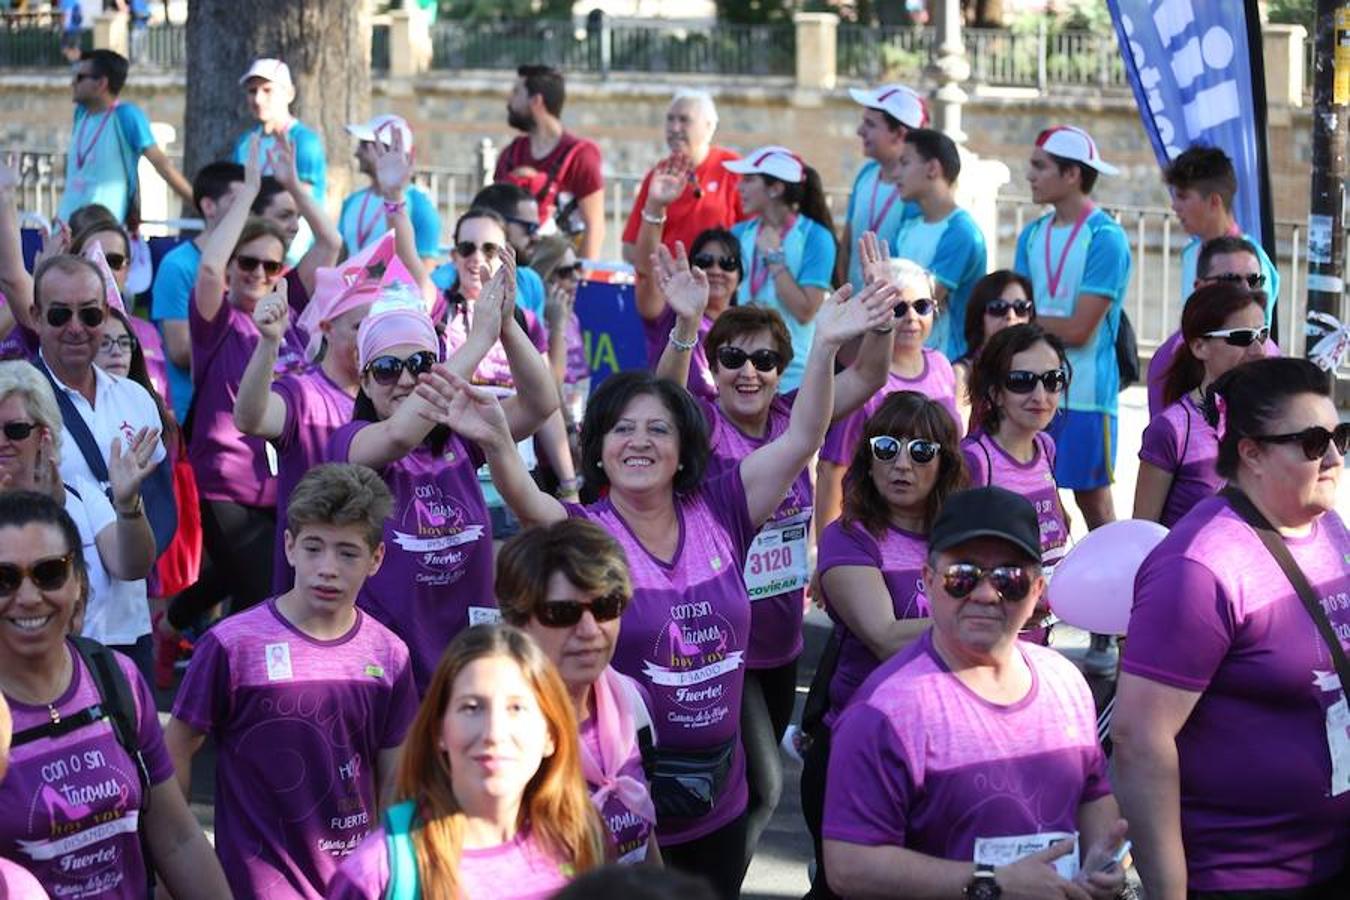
307 697
968 764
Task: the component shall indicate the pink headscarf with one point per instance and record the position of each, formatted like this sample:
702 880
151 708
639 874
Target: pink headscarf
94 253
358 280
397 317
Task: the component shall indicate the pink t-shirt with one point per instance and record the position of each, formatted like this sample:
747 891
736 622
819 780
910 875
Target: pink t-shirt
1214 614
988 463
1181 442
298 724
152 348
495 369
937 382
73 802
920 761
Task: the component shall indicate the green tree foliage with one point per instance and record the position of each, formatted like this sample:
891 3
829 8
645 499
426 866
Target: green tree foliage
1294 12
487 10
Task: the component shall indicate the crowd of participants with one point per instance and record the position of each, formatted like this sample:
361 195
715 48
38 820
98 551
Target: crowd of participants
462 627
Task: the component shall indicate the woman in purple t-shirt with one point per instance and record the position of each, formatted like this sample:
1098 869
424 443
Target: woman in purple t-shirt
555 259
566 585
1222 326
1232 746
493 803
687 537
997 300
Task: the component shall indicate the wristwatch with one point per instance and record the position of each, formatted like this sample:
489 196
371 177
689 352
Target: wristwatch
774 258
983 885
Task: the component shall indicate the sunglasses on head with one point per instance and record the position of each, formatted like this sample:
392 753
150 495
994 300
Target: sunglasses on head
999 308
566 613
1314 440
725 263
387 370
18 431
530 228
125 344
1021 381
90 316
1253 280
46 574
1240 337
886 448
270 267
732 358
1011 582
466 249
571 272
922 307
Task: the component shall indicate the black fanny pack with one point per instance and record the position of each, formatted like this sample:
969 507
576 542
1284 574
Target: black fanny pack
685 783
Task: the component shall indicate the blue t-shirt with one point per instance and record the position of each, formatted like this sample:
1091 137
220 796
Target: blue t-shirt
529 286
876 206
808 251
310 163
101 163
363 221
1098 262
174 281
1190 256
953 251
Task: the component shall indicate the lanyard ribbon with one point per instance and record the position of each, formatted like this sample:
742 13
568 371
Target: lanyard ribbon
1057 273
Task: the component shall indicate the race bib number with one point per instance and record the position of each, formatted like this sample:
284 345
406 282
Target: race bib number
1003 851
1338 734
484 615
777 563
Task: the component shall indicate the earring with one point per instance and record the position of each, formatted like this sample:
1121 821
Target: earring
599 464
680 467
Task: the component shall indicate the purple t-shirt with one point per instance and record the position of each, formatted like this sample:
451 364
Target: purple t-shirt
900 556
1243 640
937 382
520 870
315 408
1181 442
777 568
578 369
989 463
685 633
152 348
1162 360
495 368
73 802
656 332
920 761
437 574
299 724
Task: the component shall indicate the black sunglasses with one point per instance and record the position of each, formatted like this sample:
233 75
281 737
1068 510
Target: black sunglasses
270 267
922 307
1315 440
566 613
570 272
1012 582
126 343
116 261
732 358
18 431
1254 280
46 574
1240 337
387 370
530 228
468 248
725 263
1021 381
886 448
90 316
999 308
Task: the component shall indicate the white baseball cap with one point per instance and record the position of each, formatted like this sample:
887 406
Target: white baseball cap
1068 142
776 162
382 129
273 70
901 103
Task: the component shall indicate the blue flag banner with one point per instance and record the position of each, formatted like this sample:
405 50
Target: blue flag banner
1198 76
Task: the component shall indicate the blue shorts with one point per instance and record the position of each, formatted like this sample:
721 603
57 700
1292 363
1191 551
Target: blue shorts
1085 449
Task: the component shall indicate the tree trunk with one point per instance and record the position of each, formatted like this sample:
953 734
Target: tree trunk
326 43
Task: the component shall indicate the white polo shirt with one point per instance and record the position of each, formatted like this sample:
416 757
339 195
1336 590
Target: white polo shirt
117 613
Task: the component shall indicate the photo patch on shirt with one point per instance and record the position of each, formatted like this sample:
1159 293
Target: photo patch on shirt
279 662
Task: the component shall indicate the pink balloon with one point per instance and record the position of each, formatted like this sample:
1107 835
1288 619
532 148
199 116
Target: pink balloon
1093 585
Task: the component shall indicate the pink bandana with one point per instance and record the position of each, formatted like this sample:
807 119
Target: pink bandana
618 742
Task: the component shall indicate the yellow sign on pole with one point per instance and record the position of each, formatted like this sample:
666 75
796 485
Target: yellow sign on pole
1340 94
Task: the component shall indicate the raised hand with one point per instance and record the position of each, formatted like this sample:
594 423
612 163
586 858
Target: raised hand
507 270
46 472
128 468
54 243
393 167
471 412
282 160
768 239
558 306
668 181
272 312
684 287
843 316
487 309
873 254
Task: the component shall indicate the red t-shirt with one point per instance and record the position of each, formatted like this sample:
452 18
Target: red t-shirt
574 164
717 206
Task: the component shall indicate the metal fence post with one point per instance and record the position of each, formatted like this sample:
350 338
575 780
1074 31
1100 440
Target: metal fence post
1042 39
487 163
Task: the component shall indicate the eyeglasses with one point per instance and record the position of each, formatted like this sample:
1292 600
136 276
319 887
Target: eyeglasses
1241 337
886 448
571 272
921 307
566 613
1315 440
530 228
124 344
270 267
116 261
387 370
18 431
1020 381
732 358
1253 280
725 263
46 574
466 249
90 316
999 308
1011 582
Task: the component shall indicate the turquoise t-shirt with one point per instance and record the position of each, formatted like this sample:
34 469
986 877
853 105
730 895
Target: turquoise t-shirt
953 250
174 280
529 286
362 221
310 162
1097 262
1190 256
876 206
101 163
808 251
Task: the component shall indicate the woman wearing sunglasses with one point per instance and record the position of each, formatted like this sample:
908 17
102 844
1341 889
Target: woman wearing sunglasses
91 799
493 805
566 585
1223 325
556 262
1229 670
997 300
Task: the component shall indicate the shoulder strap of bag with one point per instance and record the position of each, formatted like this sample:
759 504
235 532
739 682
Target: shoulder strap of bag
988 463
1244 507
554 170
403 876
114 694
76 427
